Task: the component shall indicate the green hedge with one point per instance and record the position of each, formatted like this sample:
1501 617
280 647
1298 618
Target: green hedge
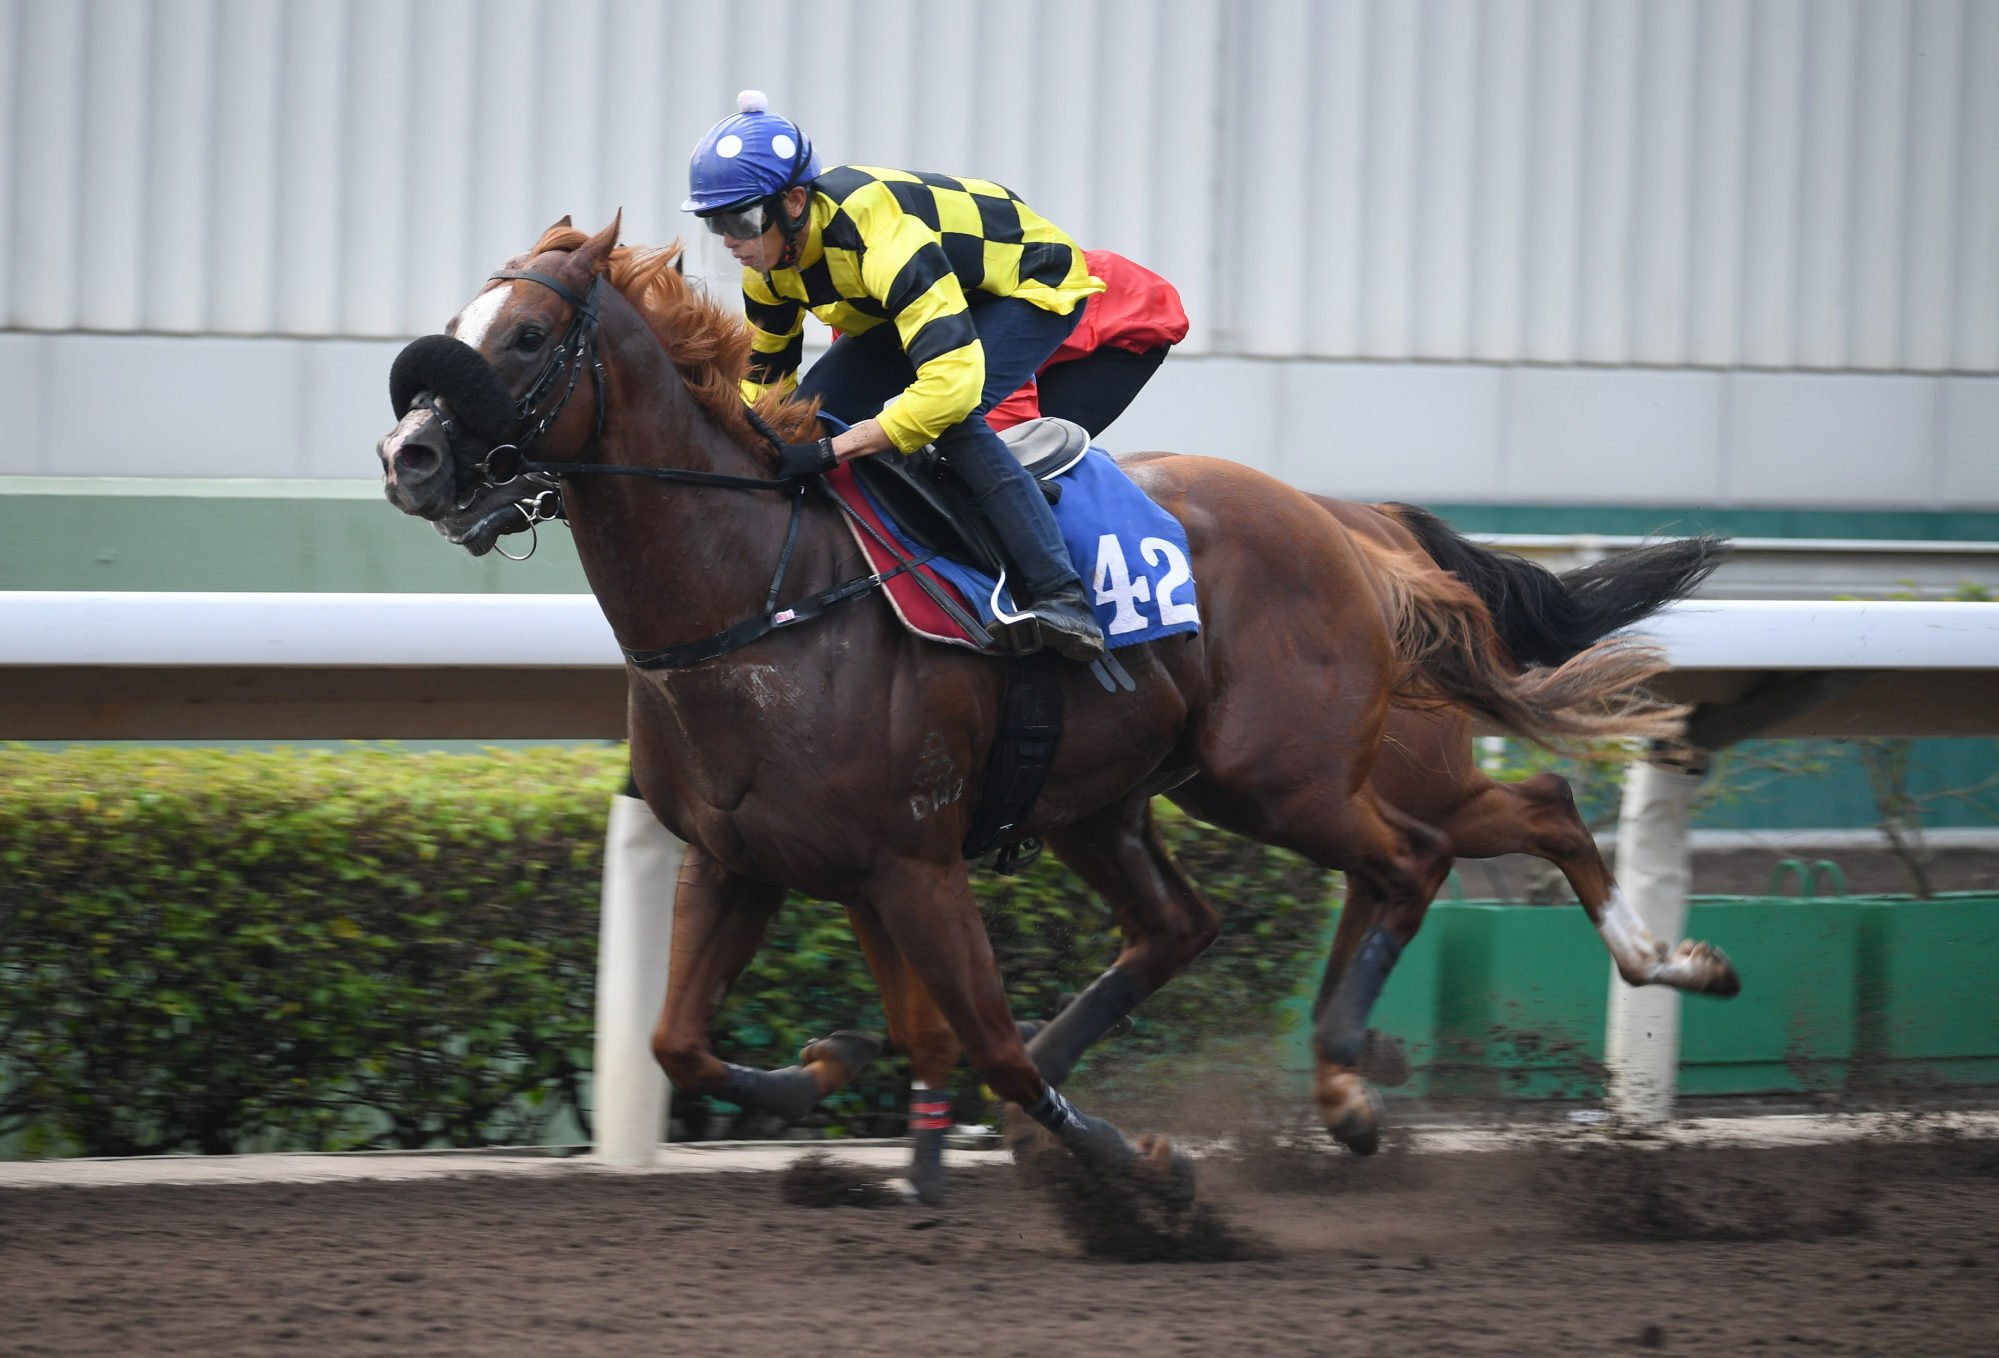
213 951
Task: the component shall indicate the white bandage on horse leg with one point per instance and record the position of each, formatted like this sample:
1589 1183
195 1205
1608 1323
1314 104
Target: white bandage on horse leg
1638 952
1643 958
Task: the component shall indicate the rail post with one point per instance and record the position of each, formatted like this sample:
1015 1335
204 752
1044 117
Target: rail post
634 944
1641 1041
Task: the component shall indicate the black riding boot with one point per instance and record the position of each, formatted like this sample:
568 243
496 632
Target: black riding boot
1067 623
1019 513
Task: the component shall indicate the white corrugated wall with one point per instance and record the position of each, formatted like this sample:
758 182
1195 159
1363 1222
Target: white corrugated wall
1788 184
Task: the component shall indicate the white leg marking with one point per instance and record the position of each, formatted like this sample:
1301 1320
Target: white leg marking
1636 949
1642 959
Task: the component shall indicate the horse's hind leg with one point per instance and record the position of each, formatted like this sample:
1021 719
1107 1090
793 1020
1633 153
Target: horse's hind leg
1381 1059
1390 885
1165 921
1394 866
718 922
1538 816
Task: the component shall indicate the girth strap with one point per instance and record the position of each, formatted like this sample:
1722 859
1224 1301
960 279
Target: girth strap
1030 732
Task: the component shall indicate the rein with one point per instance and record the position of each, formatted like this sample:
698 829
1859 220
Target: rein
509 463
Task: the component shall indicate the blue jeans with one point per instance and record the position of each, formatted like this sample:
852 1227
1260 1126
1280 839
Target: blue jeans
856 377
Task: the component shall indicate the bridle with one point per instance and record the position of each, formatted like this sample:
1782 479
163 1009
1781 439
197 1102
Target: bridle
507 463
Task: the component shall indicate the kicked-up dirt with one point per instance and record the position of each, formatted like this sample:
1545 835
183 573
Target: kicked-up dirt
1884 1246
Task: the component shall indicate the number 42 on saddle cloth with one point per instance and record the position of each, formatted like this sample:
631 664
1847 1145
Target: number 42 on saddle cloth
1131 554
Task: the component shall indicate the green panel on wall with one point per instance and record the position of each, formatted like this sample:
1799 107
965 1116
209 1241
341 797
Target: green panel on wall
333 542
1526 1020
1792 1028
1930 1007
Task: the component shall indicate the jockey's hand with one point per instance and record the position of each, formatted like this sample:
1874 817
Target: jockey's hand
800 460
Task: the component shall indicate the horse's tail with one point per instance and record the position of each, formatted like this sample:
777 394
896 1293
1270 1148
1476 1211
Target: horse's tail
1463 632
1545 618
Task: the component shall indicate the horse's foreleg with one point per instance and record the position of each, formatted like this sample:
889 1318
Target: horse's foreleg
930 916
919 1029
718 920
1538 816
1165 921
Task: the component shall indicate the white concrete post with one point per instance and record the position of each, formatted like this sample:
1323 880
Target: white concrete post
1642 1033
634 943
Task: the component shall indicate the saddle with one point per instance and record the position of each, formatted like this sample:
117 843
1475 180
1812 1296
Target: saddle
934 508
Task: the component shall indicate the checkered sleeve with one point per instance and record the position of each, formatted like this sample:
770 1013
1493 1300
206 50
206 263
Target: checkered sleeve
907 271
777 337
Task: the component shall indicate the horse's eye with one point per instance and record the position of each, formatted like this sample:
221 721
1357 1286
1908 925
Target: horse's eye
530 340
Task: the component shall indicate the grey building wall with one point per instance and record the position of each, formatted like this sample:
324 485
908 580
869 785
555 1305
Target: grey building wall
1613 251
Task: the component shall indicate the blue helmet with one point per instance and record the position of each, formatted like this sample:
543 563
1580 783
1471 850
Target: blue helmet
752 155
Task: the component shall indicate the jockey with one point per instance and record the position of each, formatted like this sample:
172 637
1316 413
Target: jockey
1120 342
951 293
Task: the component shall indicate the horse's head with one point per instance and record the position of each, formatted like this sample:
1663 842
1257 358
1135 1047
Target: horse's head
505 381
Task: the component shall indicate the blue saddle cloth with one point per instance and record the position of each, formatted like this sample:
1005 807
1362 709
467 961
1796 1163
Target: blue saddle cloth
1131 554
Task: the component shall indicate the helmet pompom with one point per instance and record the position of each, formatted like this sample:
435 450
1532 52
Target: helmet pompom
752 101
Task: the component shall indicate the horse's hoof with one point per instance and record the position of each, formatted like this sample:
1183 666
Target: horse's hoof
1700 969
1165 1170
931 1189
848 1046
1721 978
1360 1142
845 1053
1359 1129
1384 1060
1349 1107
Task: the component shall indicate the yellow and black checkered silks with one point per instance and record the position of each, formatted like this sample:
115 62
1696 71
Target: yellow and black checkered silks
890 245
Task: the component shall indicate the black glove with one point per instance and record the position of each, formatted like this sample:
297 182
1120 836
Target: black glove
800 460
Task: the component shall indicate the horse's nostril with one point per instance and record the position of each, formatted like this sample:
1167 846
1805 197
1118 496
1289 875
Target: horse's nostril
415 462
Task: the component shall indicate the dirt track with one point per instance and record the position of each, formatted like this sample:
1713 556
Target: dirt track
1884 1246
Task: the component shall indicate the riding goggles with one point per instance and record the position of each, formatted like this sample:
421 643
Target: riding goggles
746 221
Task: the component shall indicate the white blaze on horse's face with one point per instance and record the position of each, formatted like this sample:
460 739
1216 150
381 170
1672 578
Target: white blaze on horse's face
475 322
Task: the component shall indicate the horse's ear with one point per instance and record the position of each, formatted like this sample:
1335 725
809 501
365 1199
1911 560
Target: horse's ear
594 250
561 223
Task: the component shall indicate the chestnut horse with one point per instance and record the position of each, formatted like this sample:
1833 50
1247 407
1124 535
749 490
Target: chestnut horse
780 717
